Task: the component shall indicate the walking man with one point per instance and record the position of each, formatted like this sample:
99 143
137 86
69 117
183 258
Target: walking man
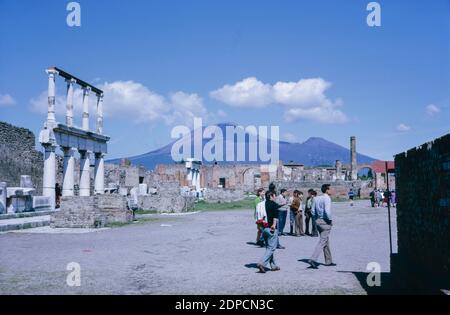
322 213
270 233
308 214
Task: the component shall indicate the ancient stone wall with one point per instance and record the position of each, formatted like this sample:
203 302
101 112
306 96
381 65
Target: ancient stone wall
423 207
18 156
340 188
224 194
90 212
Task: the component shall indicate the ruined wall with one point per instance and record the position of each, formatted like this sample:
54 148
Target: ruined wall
224 194
340 188
90 212
18 156
423 207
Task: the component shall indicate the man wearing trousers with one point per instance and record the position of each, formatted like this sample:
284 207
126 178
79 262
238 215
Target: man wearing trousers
322 213
270 233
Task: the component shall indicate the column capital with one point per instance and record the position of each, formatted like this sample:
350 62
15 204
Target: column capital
71 81
51 71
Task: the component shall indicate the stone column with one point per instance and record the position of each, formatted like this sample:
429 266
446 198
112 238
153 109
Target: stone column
86 108
69 169
51 120
197 180
99 187
189 176
49 180
69 105
2 197
338 170
100 114
84 173
353 165
194 178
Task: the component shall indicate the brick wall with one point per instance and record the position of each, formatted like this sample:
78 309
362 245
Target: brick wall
423 209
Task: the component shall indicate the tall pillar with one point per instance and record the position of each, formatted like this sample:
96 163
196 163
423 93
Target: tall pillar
51 120
338 170
100 114
86 108
49 180
99 187
353 165
84 173
197 180
189 175
69 169
69 105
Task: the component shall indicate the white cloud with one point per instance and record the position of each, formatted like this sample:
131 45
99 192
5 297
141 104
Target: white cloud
403 127
249 92
221 113
7 100
289 137
304 99
432 110
134 101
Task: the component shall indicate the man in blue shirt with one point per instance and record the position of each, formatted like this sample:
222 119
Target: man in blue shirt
322 213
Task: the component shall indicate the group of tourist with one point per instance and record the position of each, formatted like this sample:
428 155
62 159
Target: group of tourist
271 212
380 198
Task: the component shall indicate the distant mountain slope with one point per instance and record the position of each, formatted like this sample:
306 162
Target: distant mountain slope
313 152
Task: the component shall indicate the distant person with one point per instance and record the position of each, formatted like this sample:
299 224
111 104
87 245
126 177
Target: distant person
393 199
131 205
351 196
282 211
259 198
58 195
308 214
372 198
299 231
270 233
294 206
322 213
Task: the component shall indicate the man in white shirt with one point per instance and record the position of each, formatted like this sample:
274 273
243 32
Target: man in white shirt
322 213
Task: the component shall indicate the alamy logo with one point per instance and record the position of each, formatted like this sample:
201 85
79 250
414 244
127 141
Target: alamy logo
374 17
374 277
238 144
74 17
74 277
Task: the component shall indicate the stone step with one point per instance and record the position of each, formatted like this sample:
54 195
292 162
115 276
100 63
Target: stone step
24 223
6 216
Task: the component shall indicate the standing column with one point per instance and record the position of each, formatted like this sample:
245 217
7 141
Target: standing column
86 108
51 120
338 170
69 169
49 181
353 165
189 176
69 106
84 174
99 174
100 114
3 197
197 180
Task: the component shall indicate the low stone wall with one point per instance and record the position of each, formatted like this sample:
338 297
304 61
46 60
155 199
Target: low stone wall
223 194
92 211
423 208
341 188
166 204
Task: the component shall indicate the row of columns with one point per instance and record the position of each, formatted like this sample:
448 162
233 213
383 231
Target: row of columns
49 180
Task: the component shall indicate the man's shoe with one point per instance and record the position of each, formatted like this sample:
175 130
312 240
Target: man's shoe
330 265
261 268
313 264
315 235
276 268
281 247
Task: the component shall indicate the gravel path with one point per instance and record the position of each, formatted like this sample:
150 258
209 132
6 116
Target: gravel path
203 253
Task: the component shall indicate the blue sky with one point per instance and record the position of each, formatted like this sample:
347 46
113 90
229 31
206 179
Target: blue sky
312 67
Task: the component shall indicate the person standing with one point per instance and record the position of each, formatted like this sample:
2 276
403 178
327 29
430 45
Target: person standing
372 198
351 196
282 211
270 233
299 216
294 207
322 213
58 195
259 198
308 214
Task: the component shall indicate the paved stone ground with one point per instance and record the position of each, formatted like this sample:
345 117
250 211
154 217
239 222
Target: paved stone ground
203 253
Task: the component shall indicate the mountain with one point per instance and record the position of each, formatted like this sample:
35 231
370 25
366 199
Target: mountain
313 152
